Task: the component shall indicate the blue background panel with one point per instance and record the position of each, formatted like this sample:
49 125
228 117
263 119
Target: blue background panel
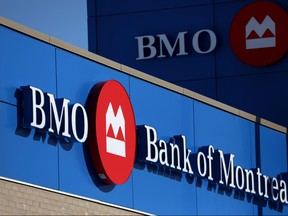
273 148
160 191
154 106
17 61
212 126
76 76
227 1
232 135
24 154
262 95
108 7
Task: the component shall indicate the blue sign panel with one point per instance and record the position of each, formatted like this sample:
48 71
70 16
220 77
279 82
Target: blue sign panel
26 154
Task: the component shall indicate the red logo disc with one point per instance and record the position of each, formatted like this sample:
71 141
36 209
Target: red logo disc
259 33
112 132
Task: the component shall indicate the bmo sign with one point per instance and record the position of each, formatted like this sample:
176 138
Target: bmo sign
160 46
258 37
107 123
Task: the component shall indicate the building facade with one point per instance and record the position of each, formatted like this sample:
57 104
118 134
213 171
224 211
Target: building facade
82 134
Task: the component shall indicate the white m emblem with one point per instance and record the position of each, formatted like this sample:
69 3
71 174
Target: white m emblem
115 132
259 41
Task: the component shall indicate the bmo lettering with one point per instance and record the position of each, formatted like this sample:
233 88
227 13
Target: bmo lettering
148 45
209 163
56 116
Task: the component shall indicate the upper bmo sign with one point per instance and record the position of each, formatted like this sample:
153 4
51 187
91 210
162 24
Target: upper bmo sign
160 46
258 37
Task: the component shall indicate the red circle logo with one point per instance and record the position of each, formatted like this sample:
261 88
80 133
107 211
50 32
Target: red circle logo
259 33
112 132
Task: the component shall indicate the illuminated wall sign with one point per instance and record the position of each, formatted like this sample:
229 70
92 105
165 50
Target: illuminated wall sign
209 163
258 34
150 46
257 37
112 131
112 141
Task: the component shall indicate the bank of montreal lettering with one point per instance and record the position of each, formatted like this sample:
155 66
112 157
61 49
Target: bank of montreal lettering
258 30
61 119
